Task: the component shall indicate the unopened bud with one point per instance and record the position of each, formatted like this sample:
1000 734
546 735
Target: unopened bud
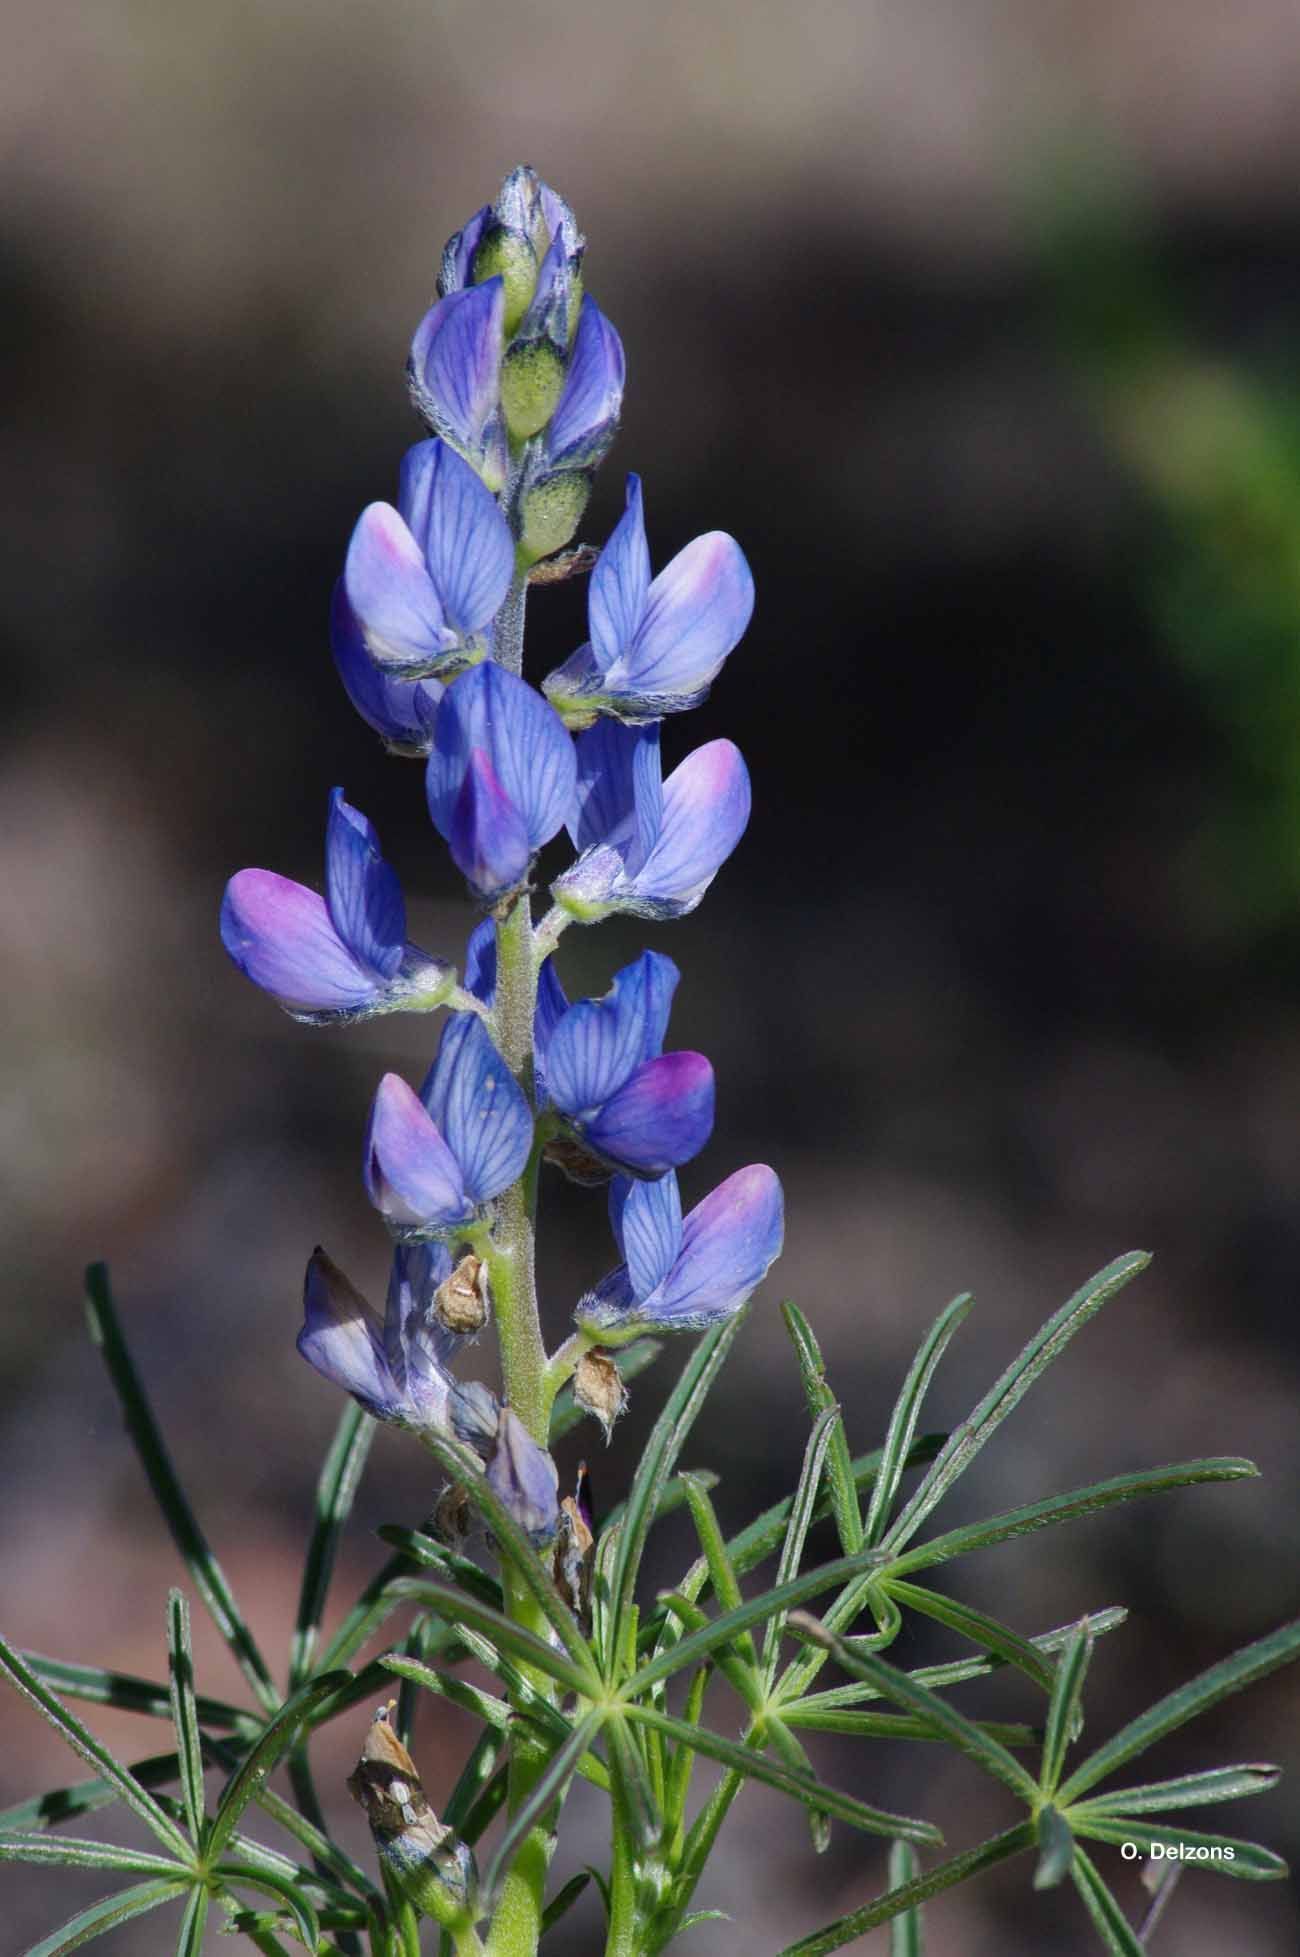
523 1478
507 254
551 511
431 1867
462 1301
598 1388
532 379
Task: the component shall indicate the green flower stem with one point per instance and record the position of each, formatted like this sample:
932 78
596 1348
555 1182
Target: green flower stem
508 640
510 1264
547 935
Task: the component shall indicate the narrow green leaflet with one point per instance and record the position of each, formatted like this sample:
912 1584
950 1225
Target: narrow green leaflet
474 1777
209 1578
1055 1848
906 1693
1230 1675
336 1490
839 1468
631 1360
541 1798
1063 1711
1007 1392
907 1411
1225 1854
425 1552
83 1741
288 1894
641 1811
564 1899
492 1711
502 1631
723 1578
848 1928
802 1787
666 1441
106 1915
1099 1621
130 1693
896 1725
67 1850
1186 1791
1109 1920
85 1796
189 1746
801 1516
190 1941
265 1756
373 1606
1066 1508
997 1639
906 1938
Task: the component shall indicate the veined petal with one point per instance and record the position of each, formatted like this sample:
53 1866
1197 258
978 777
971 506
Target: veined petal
706 805
481 962
418 1346
455 364
488 838
647 1222
660 1118
477 1104
596 1045
393 598
399 710
531 755
729 1243
603 798
279 934
362 893
586 417
551 1007
340 1337
620 583
695 612
458 255
411 1175
456 520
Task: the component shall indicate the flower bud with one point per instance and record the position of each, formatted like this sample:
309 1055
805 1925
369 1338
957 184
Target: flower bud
598 1388
550 511
462 1301
532 380
523 1477
432 1869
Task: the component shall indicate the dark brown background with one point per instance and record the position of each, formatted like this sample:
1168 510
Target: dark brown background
1004 978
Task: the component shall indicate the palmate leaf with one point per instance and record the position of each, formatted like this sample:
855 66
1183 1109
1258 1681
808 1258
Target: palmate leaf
898 1899
907 1412
106 1915
965 1442
208 1577
336 1489
817 1392
1232 1674
94 1753
802 1787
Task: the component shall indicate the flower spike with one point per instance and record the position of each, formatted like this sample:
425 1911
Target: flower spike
337 958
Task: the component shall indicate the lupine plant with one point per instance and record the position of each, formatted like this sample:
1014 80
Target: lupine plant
512 1600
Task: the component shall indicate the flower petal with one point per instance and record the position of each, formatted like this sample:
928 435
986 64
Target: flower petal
531 755
706 805
659 1119
340 1338
400 710
456 520
603 797
586 416
620 582
647 1222
455 365
523 1476
393 598
729 1243
594 1048
477 1104
279 934
488 839
458 255
695 612
411 1175
418 1347
481 962
362 893
551 1007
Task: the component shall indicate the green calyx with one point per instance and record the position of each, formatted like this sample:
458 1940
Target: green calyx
532 379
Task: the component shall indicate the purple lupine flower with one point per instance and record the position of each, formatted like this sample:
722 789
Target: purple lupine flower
423 581
454 374
601 1066
585 421
655 647
459 252
683 1276
433 1159
400 711
523 1476
500 777
649 846
340 957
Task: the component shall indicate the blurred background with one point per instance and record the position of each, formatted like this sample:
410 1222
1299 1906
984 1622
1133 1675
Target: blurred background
976 321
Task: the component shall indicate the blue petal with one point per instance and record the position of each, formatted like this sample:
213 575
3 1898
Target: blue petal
400 710
476 1103
488 839
532 757
729 1243
412 1177
467 544
340 1338
647 1222
392 596
659 1118
617 596
458 255
481 962
706 805
599 1042
586 417
419 1349
364 897
616 792
279 934
523 1477
695 612
455 364
550 1010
